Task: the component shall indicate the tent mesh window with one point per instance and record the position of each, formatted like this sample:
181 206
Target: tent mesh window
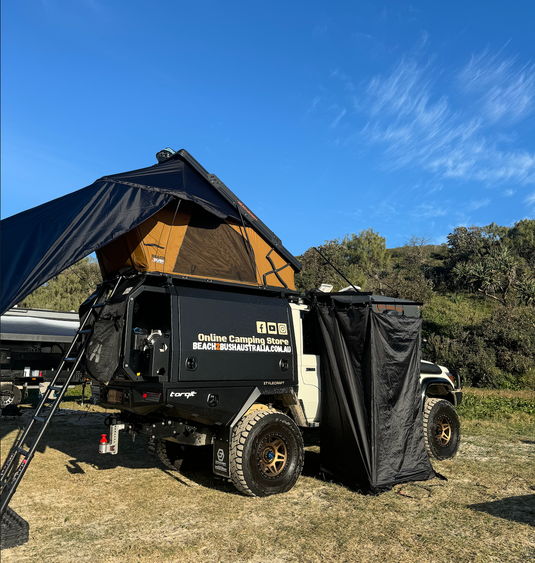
212 248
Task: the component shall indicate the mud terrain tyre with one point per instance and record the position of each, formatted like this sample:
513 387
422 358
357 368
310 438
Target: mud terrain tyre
442 429
9 395
266 453
179 457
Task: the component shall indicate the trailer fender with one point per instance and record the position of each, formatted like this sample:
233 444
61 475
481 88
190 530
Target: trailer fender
221 463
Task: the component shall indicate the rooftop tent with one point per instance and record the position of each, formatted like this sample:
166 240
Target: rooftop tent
172 217
371 433
184 239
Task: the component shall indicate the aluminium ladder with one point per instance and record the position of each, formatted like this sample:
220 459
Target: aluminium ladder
14 528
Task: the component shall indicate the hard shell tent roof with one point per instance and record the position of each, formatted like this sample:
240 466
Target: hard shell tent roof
172 217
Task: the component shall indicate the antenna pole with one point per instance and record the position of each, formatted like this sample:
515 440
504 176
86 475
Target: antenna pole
335 269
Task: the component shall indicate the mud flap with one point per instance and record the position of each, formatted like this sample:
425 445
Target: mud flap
14 530
221 465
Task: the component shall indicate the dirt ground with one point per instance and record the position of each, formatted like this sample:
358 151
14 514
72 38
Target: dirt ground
86 507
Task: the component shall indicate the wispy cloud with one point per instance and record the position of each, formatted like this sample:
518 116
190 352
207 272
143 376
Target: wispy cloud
473 205
313 104
338 117
420 127
530 200
506 88
428 211
344 78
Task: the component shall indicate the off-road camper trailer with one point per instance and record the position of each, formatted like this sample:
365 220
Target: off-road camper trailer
198 337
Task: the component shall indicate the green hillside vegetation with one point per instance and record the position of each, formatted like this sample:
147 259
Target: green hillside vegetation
478 291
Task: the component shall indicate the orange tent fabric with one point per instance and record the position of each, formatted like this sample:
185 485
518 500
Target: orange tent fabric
183 239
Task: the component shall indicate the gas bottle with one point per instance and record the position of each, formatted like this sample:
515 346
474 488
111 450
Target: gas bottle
103 446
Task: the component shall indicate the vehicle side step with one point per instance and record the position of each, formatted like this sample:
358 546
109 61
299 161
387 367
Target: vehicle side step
14 529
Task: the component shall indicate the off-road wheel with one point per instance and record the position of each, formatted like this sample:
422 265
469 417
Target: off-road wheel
266 453
9 395
179 457
442 429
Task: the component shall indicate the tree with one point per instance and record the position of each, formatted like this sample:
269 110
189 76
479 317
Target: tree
367 250
467 244
415 252
317 271
522 237
368 259
67 290
494 275
464 244
526 291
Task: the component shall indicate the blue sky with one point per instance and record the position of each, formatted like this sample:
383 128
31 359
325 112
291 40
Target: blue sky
325 118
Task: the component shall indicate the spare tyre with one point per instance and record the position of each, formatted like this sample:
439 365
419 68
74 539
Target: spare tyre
442 429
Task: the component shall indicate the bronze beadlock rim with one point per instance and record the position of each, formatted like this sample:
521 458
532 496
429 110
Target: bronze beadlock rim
273 456
443 431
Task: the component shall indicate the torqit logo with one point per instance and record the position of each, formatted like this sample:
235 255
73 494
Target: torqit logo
186 394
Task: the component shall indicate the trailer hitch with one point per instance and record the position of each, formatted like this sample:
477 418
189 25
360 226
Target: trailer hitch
111 447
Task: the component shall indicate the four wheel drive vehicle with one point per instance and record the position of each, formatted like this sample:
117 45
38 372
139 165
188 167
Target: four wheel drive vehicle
192 366
33 342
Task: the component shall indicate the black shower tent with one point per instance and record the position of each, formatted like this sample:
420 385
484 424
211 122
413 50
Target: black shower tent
371 431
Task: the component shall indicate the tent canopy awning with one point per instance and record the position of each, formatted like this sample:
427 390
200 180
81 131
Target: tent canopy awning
39 243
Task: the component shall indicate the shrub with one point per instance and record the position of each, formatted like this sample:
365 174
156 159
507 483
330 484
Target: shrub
499 352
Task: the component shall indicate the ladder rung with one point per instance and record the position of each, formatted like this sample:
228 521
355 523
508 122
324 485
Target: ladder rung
39 418
70 359
22 451
85 331
97 305
55 388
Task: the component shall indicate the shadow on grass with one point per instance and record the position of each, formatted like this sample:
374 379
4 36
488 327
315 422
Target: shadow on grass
77 434
518 509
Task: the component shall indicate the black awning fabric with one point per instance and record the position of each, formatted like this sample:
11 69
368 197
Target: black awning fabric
371 432
38 244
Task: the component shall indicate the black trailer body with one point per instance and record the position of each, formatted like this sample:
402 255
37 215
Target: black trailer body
185 362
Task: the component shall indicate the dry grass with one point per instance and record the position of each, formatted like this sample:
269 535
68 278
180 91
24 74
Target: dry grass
83 507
